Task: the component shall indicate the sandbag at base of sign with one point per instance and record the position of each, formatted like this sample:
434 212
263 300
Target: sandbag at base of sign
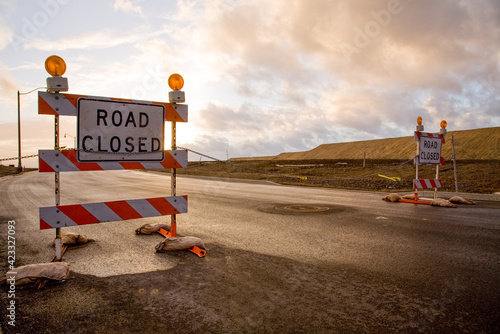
57 271
461 200
409 196
443 203
179 243
73 239
151 228
392 198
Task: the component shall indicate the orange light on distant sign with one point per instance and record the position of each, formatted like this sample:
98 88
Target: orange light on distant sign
419 120
175 81
444 124
55 66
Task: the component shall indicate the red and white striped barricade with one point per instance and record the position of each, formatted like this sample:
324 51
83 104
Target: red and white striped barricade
66 105
426 183
66 161
92 213
429 149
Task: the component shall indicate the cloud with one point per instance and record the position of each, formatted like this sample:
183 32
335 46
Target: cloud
262 76
101 39
410 58
5 34
421 44
34 135
128 7
250 130
6 9
8 87
8 84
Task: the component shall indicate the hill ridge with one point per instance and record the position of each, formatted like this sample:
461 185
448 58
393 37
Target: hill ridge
475 144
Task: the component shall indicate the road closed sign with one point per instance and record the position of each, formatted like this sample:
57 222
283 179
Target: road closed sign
430 149
119 131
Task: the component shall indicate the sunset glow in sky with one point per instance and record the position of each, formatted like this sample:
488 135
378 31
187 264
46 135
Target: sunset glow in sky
261 76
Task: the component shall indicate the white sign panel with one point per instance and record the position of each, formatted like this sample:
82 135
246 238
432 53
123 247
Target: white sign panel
119 131
430 150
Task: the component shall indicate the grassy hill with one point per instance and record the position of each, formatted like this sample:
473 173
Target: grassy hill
477 144
340 165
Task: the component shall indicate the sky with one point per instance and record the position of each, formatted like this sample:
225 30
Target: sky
261 76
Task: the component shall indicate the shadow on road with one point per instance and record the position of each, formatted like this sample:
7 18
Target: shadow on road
236 291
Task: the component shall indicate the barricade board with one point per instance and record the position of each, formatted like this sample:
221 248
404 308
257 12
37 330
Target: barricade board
429 148
119 131
113 134
66 105
426 183
92 213
66 161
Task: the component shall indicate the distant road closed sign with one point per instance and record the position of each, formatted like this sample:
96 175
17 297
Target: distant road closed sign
430 150
119 131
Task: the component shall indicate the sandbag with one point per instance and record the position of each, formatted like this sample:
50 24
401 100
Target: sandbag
151 228
179 243
409 196
443 203
461 200
71 239
57 271
392 198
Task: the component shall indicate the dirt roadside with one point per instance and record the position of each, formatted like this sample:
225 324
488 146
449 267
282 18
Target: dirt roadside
478 176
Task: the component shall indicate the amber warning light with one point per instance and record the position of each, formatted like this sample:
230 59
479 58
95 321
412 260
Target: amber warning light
56 67
176 82
420 127
443 130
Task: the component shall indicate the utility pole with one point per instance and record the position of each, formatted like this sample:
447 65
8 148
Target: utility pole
19 166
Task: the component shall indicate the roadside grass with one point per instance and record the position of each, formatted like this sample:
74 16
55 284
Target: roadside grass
7 170
10 170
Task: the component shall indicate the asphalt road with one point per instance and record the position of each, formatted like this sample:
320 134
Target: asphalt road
354 264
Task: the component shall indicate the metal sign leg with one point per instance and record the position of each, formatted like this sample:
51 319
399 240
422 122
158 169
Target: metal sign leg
58 243
173 181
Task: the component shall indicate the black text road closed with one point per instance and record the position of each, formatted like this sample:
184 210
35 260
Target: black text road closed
119 131
430 151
